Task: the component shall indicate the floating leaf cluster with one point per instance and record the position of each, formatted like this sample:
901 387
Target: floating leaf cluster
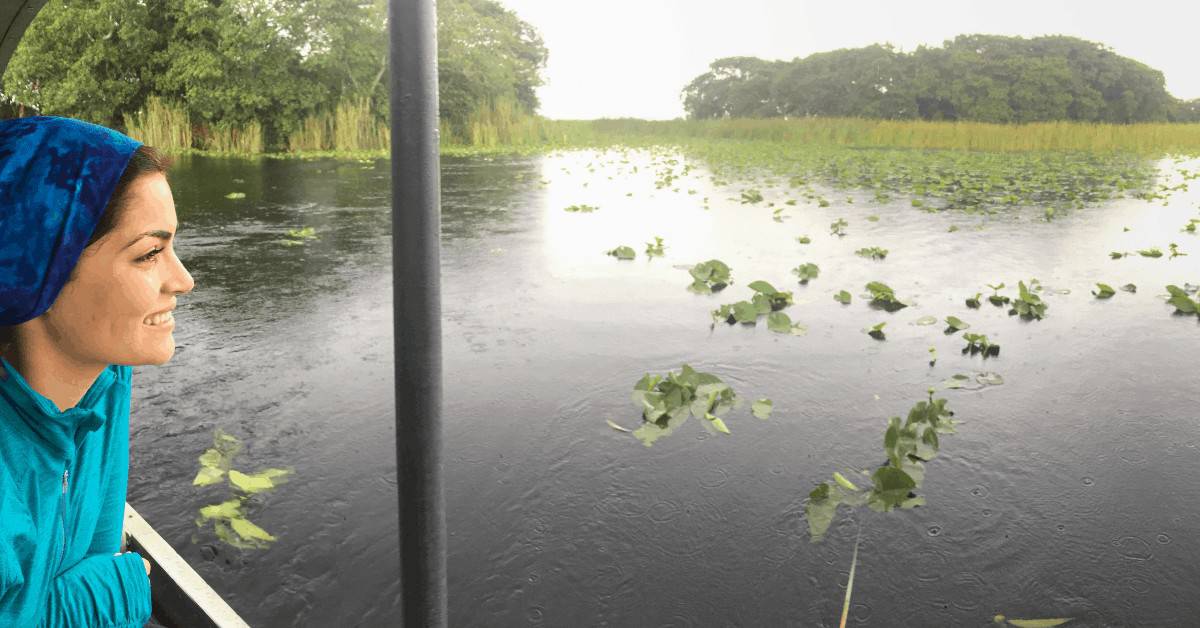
709 277
622 252
873 252
228 517
883 296
807 272
655 249
667 402
908 447
766 300
1028 304
978 343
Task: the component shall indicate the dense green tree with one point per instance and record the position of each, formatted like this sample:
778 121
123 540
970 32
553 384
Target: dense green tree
733 86
485 54
230 62
987 78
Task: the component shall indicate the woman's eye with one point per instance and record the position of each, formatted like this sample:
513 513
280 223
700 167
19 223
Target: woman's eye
149 256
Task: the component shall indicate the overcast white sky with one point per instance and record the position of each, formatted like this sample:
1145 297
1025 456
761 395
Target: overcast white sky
618 58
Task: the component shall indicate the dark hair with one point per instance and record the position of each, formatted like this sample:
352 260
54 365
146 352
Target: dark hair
145 160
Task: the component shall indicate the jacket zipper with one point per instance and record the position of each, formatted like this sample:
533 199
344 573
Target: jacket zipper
62 525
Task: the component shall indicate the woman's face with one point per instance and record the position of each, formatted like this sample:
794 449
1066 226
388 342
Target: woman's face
121 281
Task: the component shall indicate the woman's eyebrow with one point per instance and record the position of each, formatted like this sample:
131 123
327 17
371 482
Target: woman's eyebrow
157 233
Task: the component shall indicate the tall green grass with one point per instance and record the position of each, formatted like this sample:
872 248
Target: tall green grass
860 132
233 139
350 127
162 125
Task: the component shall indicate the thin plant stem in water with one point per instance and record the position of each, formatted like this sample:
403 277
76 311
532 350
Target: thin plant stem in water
850 583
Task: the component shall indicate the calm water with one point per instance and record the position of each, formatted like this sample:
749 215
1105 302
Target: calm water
1069 491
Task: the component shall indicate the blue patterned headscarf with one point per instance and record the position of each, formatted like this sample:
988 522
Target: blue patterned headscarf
56 177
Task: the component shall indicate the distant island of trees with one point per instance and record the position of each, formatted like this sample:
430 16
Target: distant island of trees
982 78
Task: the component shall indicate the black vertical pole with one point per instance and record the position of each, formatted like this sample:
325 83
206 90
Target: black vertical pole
416 311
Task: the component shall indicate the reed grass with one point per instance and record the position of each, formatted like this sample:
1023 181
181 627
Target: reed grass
232 139
921 134
162 125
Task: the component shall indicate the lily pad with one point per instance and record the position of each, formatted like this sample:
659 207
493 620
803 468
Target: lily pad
842 297
1103 291
235 195
925 320
762 408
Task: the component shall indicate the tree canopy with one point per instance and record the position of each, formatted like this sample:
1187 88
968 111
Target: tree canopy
986 78
230 62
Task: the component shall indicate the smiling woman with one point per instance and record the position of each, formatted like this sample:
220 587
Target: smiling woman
87 271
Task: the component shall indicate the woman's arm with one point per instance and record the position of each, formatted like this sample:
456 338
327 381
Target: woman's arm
101 591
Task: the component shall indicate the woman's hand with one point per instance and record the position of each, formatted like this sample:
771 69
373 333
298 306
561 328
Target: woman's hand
147 563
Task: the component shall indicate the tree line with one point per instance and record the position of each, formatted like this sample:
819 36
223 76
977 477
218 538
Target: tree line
984 78
230 63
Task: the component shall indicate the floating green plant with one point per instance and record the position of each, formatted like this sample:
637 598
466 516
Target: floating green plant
1150 252
978 343
838 227
766 300
876 331
709 277
1028 305
806 272
228 517
667 402
932 356
842 297
1174 249
883 296
954 324
751 196
762 408
780 322
908 447
235 195
872 218
1182 302
1103 291
622 252
804 239
299 236
925 320
655 249
1118 254
973 302
1129 288
996 298
580 209
873 252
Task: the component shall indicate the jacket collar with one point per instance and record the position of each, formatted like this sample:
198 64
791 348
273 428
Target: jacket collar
61 431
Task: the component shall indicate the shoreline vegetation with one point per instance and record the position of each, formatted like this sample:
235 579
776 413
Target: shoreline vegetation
353 130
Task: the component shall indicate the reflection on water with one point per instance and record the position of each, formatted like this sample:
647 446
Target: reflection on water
1065 493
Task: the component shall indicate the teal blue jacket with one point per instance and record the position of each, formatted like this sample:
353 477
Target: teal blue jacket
63 478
